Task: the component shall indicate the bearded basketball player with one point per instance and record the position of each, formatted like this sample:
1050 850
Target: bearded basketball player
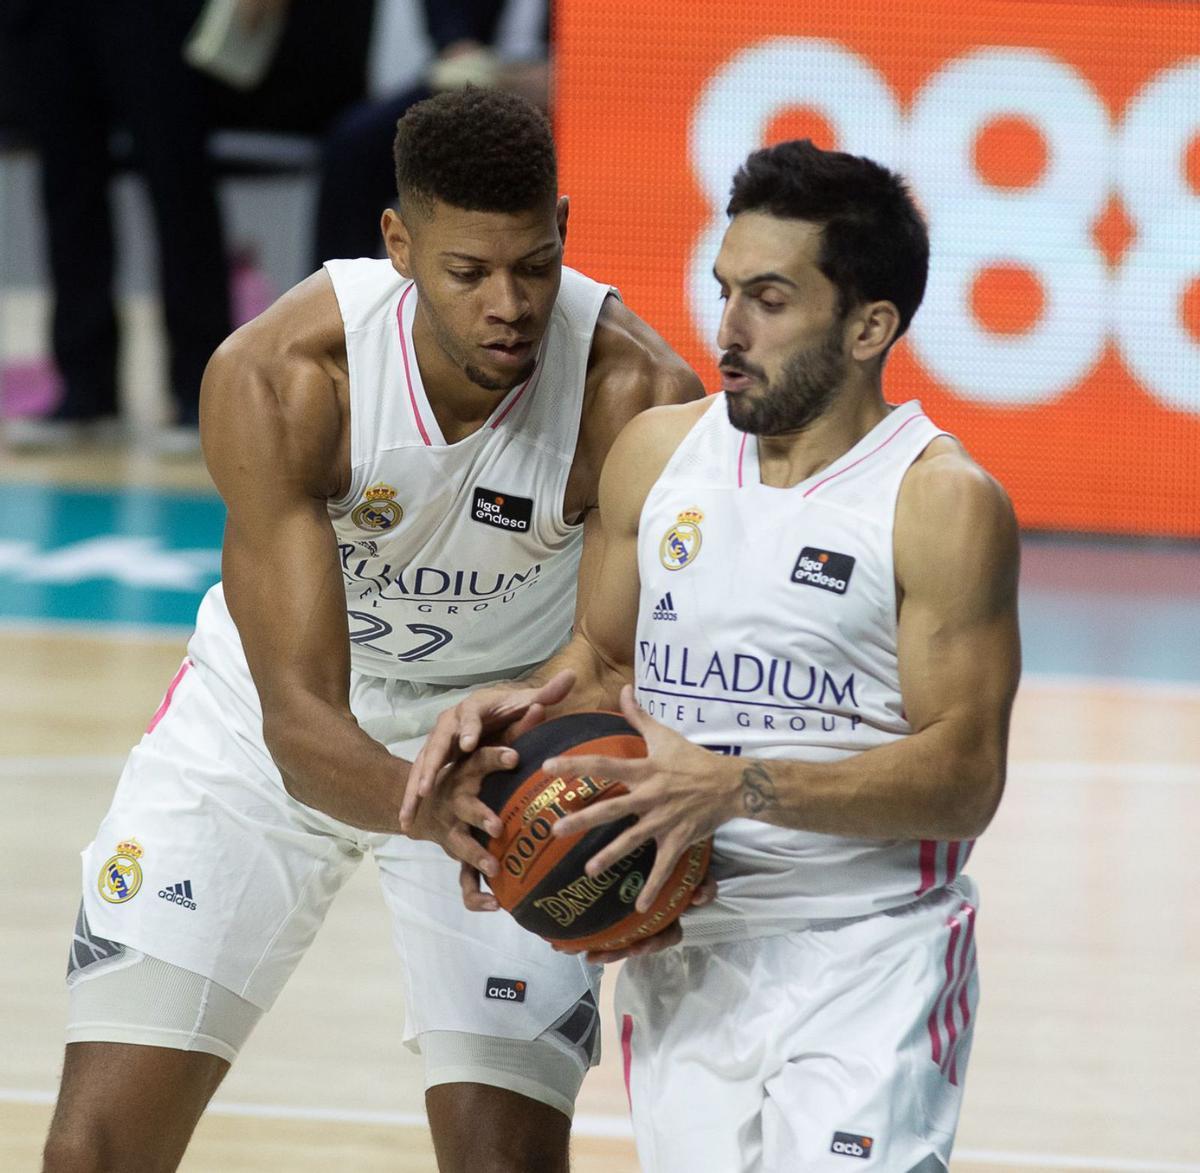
813 591
410 452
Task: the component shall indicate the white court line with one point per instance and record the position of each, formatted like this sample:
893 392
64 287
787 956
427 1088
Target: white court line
617 1127
53 766
1037 771
99 629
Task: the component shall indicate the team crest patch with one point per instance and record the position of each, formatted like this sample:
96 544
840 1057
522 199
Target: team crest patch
681 543
379 509
121 875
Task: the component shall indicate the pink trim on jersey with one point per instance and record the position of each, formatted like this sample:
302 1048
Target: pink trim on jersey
866 456
742 456
928 860
627 1053
161 711
412 395
515 399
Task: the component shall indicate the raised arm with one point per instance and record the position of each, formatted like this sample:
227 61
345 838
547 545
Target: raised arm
274 425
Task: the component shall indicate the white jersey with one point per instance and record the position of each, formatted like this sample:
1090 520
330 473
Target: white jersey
767 627
458 563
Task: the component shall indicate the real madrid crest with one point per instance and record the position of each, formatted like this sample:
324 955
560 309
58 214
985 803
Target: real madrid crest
681 543
379 510
121 875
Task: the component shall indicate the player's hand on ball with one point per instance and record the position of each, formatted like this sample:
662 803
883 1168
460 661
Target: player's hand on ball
705 893
490 712
447 817
679 795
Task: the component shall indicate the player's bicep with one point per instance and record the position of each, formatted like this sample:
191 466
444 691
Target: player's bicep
957 557
270 438
283 586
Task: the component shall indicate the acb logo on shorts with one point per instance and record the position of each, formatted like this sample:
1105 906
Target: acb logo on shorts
121 875
505 989
846 1144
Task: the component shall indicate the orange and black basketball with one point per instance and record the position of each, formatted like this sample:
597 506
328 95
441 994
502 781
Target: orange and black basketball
541 880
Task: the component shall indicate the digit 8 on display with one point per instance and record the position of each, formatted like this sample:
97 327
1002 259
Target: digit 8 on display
1021 300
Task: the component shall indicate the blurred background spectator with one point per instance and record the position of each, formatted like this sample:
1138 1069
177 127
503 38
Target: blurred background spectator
93 87
477 42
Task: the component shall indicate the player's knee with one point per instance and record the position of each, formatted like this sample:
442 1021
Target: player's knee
86 1145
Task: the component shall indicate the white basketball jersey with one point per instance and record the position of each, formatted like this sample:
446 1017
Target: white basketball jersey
767 627
458 563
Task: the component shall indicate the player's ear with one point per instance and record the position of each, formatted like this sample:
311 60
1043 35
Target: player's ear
561 212
398 241
874 325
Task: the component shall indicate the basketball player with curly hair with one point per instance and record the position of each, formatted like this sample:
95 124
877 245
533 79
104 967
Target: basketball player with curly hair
409 450
813 593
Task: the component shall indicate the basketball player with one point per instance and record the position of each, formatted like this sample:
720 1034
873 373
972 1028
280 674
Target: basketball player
814 592
409 450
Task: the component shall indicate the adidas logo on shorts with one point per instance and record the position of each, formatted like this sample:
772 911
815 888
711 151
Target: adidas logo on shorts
846 1144
180 894
664 608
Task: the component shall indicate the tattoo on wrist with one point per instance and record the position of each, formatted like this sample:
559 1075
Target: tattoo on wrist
758 790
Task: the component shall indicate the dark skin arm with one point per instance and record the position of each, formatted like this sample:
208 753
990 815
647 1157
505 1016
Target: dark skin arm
275 430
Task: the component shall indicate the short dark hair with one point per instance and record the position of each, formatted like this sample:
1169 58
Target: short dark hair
874 242
476 149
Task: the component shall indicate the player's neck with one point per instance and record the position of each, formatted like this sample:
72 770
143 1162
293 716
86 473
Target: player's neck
459 405
787 459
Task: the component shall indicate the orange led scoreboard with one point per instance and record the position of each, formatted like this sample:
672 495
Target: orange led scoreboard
1054 147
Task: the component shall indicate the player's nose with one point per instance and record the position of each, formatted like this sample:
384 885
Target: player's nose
507 299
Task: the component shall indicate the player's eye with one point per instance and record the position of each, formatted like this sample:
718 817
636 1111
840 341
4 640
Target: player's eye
466 276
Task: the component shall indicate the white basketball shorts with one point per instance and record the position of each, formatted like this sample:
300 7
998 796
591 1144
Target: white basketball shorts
840 1047
205 862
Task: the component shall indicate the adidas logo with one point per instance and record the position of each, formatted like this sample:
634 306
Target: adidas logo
664 608
180 894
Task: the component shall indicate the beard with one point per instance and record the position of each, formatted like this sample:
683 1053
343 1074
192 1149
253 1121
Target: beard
481 378
459 353
803 391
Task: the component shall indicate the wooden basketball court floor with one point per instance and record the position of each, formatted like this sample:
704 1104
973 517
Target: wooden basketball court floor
1087 1053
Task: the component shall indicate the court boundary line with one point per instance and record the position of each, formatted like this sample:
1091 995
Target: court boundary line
594 1126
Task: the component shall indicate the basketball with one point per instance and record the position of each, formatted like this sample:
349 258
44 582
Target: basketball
541 880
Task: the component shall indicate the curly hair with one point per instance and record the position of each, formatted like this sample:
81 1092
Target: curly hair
874 242
476 149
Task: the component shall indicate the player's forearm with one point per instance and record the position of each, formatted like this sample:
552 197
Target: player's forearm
936 784
330 764
598 681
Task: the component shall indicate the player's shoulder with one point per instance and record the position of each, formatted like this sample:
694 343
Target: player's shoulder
303 326
632 368
949 502
652 436
945 477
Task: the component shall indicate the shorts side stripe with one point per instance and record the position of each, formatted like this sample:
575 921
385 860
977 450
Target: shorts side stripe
627 1053
161 711
967 914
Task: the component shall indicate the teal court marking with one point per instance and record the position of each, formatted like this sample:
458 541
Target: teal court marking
125 557
137 558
